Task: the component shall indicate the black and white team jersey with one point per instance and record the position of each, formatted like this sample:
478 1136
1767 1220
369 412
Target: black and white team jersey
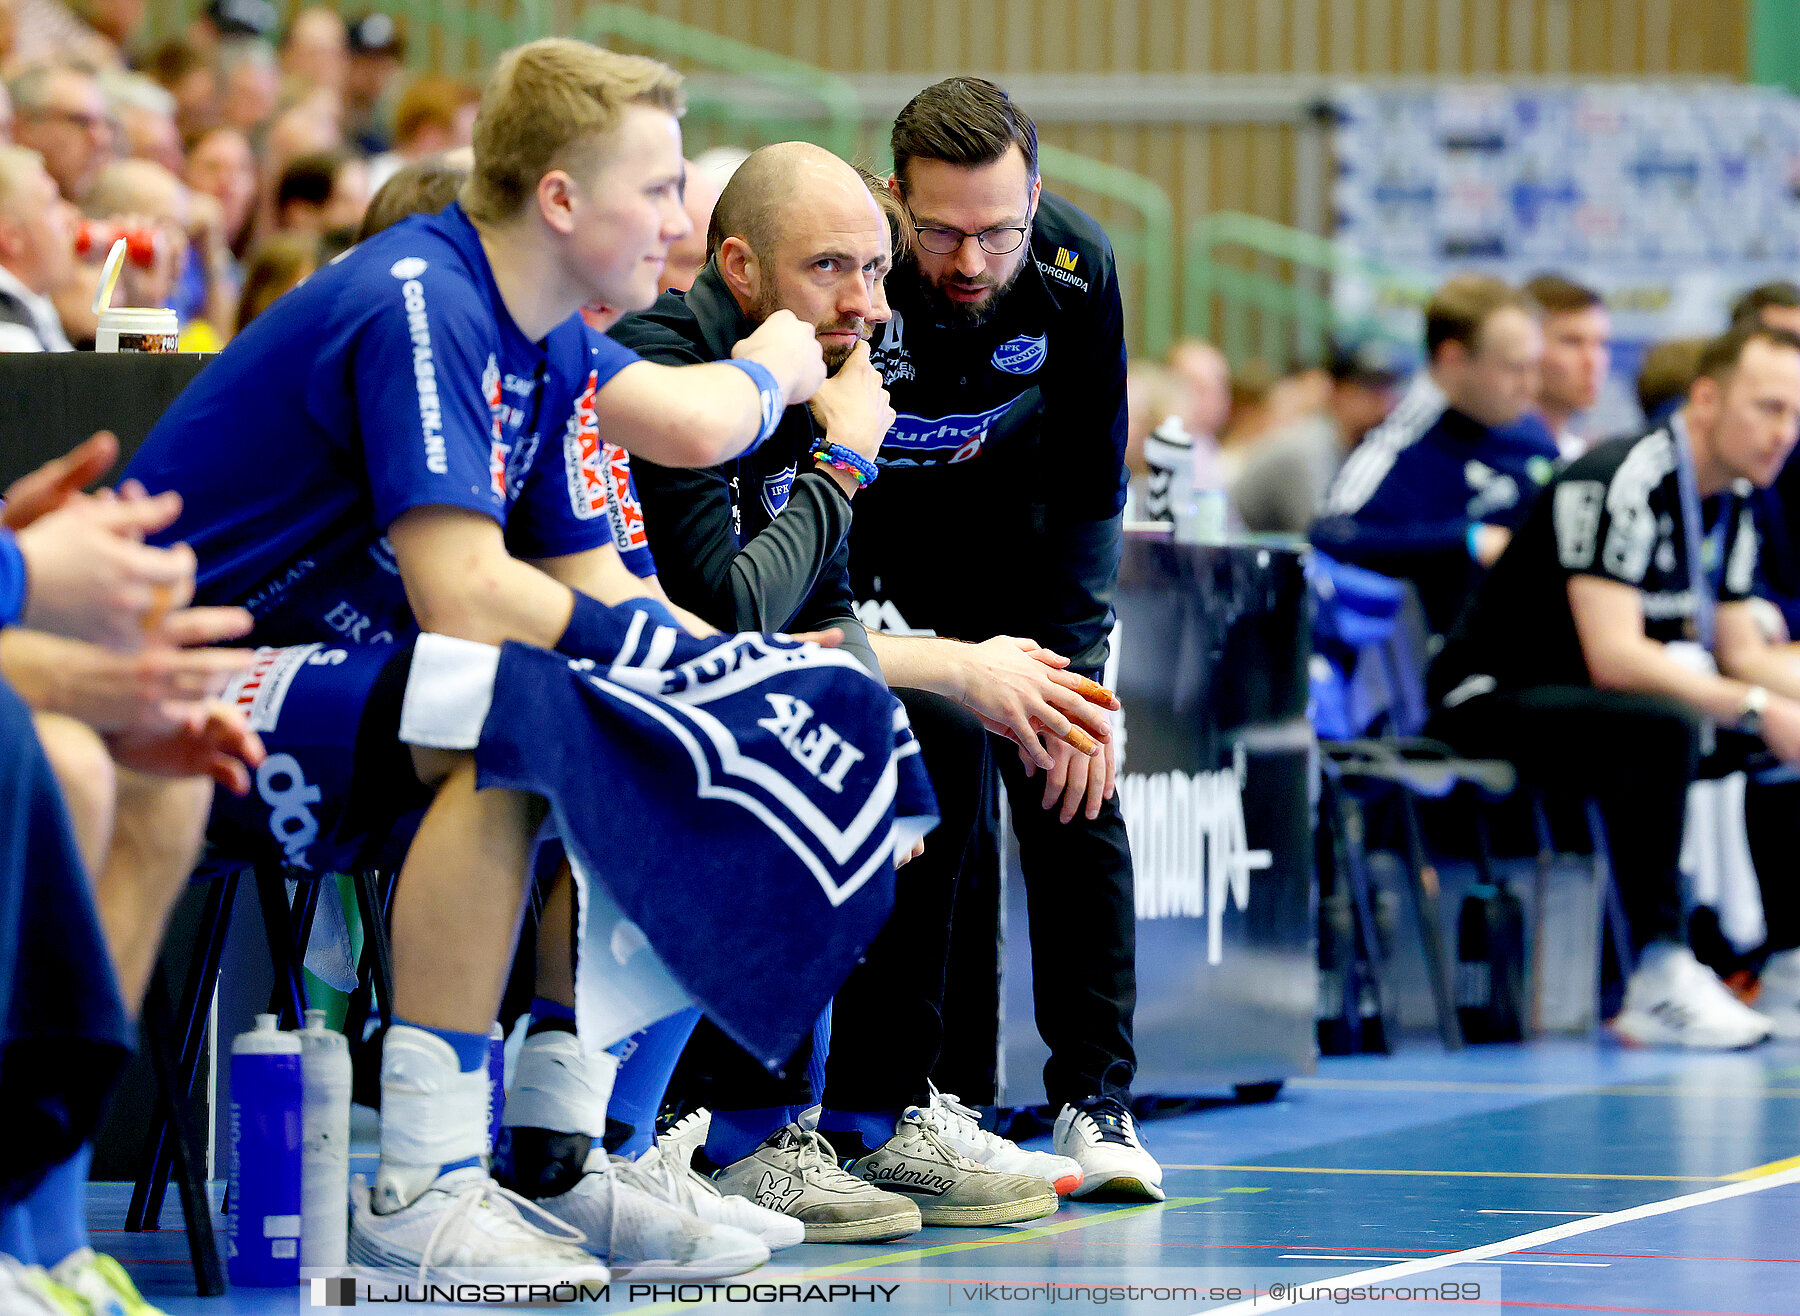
1615 514
1002 480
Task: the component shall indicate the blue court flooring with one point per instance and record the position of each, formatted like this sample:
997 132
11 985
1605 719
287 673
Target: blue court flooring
1563 1175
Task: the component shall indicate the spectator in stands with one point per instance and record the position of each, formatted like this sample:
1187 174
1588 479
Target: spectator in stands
753 545
144 115
1664 377
221 165
187 74
1252 392
1577 356
1284 481
194 273
1153 396
1207 378
228 20
249 82
698 195
279 265
1584 659
434 114
117 23
1433 494
37 253
318 193
315 48
306 127
48 30
60 113
376 50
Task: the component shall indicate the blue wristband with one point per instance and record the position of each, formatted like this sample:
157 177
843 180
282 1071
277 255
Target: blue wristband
848 459
774 401
598 632
1473 541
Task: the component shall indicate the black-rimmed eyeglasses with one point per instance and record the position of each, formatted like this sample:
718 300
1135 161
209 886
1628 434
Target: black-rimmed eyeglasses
994 241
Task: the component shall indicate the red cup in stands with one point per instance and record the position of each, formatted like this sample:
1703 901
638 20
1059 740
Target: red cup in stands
94 238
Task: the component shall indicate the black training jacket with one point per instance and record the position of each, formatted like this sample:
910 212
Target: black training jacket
997 510
759 543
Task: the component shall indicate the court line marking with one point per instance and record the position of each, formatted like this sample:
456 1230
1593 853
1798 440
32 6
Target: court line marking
1497 1088
1526 1242
1461 1174
1308 1256
1759 1171
1493 1211
914 1254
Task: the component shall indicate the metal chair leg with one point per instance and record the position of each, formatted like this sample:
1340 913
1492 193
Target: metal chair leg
189 1158
1423 887
196 1000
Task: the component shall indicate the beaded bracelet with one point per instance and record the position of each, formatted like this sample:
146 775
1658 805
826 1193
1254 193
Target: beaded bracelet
848 460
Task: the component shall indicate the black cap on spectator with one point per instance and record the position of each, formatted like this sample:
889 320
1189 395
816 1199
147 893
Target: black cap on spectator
243 18
375 34
1369 362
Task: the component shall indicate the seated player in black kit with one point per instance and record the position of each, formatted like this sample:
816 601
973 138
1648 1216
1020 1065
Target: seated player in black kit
1610 640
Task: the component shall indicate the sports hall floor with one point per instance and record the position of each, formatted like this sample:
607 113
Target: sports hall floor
1556 1176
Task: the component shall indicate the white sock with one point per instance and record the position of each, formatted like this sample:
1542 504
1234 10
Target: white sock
432 1115
558 1086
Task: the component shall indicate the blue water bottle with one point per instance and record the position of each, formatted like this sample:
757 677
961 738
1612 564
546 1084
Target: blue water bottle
267 1094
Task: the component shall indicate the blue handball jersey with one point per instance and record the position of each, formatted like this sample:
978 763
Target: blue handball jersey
392 379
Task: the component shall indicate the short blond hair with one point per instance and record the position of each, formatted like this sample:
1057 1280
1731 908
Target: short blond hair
549 106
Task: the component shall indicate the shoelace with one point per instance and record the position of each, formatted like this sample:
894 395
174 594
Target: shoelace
1112 1123
476 1196
816 1154
928 1130
966 1119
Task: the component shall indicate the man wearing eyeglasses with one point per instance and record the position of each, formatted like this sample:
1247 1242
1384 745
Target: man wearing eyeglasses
998 512
60 112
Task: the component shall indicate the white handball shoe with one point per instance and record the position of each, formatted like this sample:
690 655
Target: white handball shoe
1778 999
467 1229
670 1164
628 1221
1674 1000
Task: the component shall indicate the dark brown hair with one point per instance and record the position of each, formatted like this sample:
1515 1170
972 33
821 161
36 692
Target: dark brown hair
1556 295
1721 355
421 188
1668 372
962 121
1457 310
1751 302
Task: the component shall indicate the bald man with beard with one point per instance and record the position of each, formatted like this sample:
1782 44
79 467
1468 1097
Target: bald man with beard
760 544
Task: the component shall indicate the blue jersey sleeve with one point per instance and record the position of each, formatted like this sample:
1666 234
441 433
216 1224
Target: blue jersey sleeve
12 579
425 376
579 494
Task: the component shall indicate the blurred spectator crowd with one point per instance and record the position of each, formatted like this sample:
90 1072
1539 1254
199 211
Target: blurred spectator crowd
242 155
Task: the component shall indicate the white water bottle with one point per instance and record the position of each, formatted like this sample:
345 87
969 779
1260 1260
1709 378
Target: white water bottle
325 1144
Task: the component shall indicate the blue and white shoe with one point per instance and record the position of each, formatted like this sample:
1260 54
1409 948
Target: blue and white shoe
1100 1135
